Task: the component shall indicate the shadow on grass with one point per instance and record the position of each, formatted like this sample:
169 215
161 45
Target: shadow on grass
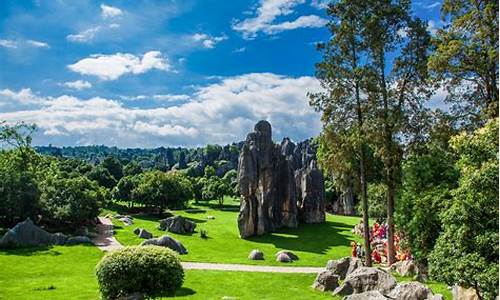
314 238
184 291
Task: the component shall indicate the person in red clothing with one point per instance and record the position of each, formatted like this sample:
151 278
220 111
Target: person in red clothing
376 256
354 249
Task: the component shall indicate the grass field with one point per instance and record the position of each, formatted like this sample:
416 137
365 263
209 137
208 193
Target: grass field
67 272
315 244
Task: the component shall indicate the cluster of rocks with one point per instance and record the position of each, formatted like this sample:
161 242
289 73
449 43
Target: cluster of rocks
166 241
361 282
177 224
281 256
26 234
278 189
126 219
143 233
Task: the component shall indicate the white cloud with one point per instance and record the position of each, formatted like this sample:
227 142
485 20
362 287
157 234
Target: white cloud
23 43
78 84
8 44
111 67
432 27
208 41
221 113
110 11
240 50
268 11
37 44
160 97
433 5
84 36
320 4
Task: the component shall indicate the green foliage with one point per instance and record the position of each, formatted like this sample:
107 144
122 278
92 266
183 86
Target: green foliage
466 58
231 180
124 188
19 191
215 188
150 270
161 190
132 168
209 171
102 177
73 200
18 135
376 194
467 250
114 167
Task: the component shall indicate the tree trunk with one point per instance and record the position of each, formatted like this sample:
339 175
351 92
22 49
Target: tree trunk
364 199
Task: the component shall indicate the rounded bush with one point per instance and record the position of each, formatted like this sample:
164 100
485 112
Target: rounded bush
150 270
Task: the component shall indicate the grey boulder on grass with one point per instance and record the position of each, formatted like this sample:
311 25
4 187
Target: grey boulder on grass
166 241
177 224
256 255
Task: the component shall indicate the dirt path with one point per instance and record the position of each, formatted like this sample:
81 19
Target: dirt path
105 239
248 268
107 242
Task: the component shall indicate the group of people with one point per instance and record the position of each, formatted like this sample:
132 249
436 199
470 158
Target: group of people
378 242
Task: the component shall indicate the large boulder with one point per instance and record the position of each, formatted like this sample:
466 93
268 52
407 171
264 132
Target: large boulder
310 190
127 221
326 281
462 293
166 241
366 279
26 233
405 268
411 291
143 233
74 240
177 224
256 255
284 258
344 266
287 253
370 295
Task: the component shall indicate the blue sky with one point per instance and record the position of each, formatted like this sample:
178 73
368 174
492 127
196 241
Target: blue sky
150 73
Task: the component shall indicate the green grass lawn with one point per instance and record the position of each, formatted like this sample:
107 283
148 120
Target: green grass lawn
67 272
315 244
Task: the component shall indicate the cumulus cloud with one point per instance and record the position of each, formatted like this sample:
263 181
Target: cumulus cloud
208 41
110 11
160 97
111 67
320 4
266 14
221 112
78 84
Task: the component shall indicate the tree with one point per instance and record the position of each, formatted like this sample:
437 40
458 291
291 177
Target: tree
19 191
123 189
467 251
132 168
397 86
74 200
215 188
114 167
231 181
209 172
466 58
342 73
102 177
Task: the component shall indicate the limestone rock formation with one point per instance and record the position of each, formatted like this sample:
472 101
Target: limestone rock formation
411 291
370 295
366 279
344 204
326 281
177 224
143 233
166 241
344 266
310 190
267 185
270 197
26 233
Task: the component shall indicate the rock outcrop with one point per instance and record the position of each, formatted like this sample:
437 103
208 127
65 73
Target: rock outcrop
344 266
411 291
166 241
366 279
268 184
177 224
27 234
326 281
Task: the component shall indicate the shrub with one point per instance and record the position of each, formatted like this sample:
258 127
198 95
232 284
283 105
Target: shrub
150 270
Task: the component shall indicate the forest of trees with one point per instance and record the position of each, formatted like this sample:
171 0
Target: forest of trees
431 174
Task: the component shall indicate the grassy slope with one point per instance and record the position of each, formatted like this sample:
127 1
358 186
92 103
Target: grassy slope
315 244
